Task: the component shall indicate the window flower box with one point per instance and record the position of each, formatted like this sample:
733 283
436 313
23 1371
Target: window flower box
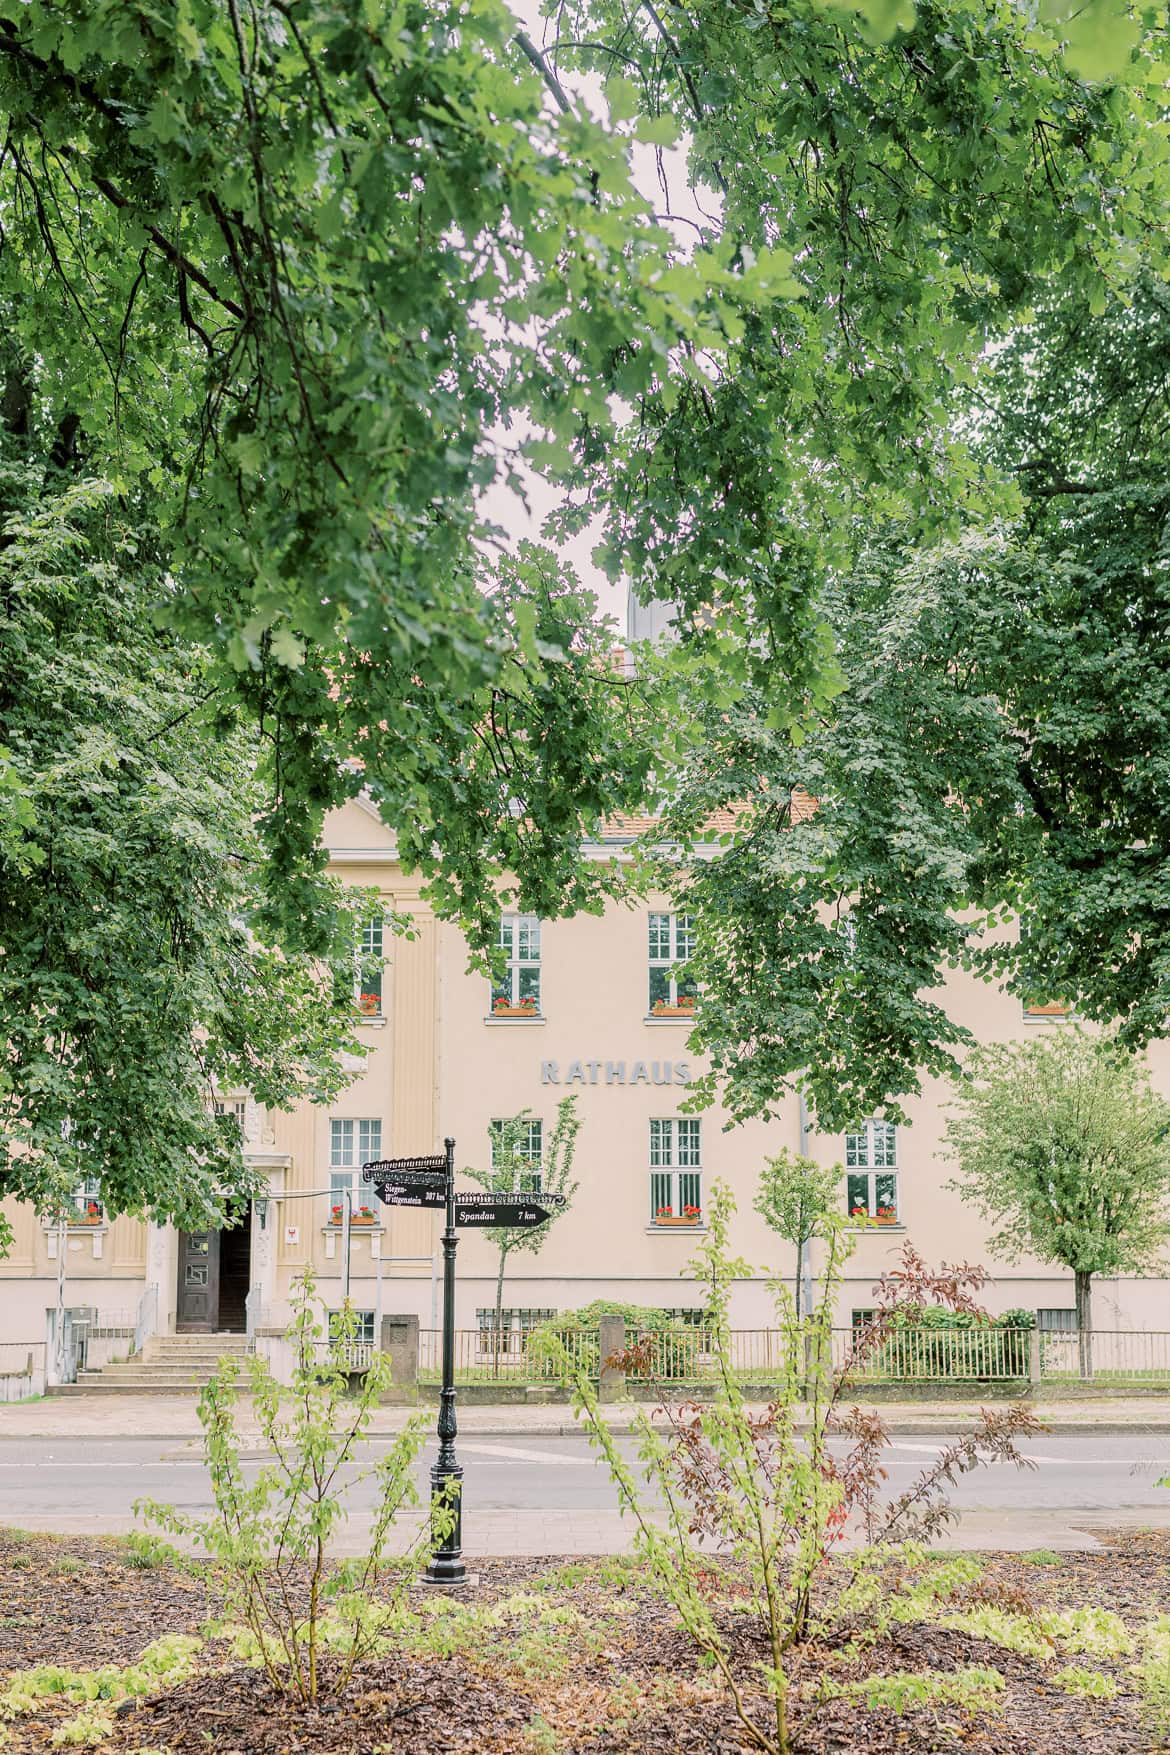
885 1216
503 1008
682 1008
363 1216
370 1004
690 1216
336 1214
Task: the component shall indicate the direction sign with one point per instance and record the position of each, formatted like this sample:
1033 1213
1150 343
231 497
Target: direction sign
403 1169
532 1197
396 1194
416 1179
491 1210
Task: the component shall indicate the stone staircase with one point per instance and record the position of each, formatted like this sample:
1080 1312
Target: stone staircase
167 1365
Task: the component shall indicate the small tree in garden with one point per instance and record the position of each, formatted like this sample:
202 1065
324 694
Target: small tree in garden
519 1166
775 1501
268 1538
796 1194
1063 1144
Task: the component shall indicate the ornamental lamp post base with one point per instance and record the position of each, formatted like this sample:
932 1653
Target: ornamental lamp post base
446 1564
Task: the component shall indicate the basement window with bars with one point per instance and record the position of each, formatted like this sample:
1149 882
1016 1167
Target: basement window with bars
515 1328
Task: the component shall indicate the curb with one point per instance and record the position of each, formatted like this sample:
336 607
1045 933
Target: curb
623 1428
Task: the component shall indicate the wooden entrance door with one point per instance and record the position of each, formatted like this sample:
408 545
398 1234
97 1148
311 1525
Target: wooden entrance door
197 1308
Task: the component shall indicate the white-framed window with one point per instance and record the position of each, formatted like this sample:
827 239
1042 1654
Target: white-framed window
369 969
671 942
871 1164
676 1177
1056 1321
873 1147
529 1152
352 1144
85 1205
518 987
232 1109
360 1322
873 1194
515 1328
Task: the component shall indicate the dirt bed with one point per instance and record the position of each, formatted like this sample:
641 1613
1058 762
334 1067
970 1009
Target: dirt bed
571 1658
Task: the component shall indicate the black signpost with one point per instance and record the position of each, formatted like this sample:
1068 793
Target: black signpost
430 1182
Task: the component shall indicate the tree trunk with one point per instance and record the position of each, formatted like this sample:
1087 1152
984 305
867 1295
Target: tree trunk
497 1338
799 1278
1084 1297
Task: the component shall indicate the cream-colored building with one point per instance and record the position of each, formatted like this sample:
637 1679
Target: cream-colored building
590 1008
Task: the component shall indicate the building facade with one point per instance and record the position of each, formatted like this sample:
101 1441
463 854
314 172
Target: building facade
589 1007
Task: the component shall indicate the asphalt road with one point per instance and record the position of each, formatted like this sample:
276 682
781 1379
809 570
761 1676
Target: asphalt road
552 1495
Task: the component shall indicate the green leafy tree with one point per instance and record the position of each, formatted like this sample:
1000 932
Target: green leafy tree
138 974
1064 1146
319 271
795 1197
514 1169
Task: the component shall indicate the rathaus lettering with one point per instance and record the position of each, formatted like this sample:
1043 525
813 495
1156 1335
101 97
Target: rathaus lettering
614 1072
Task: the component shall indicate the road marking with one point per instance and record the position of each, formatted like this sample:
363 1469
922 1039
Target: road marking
506 1452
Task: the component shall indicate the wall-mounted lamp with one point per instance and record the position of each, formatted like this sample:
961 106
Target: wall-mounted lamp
261 1205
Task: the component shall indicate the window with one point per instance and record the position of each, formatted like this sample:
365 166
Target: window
361 1324
875 1147
352 1144
529 1152
1037 1010
85 1206
672 992
515 1328
232 1110
1056 1322
861 1319
871 1183
676 1192
517 992
369 994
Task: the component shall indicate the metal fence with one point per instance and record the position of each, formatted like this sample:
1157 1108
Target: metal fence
1119 1355
484 1356
923 1355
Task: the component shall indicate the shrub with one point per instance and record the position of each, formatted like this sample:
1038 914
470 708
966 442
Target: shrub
670 1346
774 1501
935 1342
268 1538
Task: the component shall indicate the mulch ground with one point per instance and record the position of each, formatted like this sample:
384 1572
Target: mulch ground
632 1686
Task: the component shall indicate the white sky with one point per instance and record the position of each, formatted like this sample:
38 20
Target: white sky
498 503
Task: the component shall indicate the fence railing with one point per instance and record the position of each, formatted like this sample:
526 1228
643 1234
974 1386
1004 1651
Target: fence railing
1124 1355
682 1355
483 1356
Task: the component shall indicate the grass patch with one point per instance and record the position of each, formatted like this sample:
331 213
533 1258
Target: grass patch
1041 1557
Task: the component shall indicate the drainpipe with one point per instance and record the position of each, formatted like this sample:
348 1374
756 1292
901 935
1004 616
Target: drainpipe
806 1247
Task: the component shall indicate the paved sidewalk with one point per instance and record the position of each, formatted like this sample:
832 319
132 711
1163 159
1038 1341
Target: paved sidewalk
163 1417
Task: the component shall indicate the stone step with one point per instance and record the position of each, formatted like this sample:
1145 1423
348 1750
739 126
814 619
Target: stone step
98 1387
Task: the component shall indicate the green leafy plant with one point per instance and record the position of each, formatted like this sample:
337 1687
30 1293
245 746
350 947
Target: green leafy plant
774 1500
1064 1144
512 1171
269 1537
1086 1684
87 1730
1041 1557
973 1689
793 1198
